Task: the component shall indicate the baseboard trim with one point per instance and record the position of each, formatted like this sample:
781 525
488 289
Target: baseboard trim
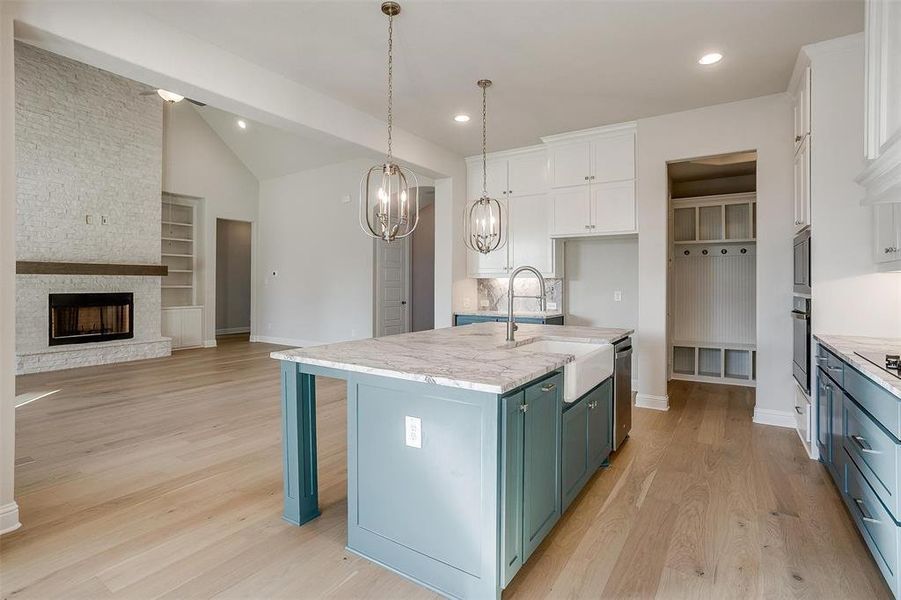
652 402
295 342
232 330
776 418
9 518
209 343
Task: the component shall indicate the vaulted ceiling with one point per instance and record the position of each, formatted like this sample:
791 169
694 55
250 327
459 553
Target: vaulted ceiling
557 65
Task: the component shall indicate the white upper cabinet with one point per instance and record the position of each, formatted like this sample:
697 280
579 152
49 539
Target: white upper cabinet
593 176
802 186
569 163
572 211
518 180
613 207
882 176
527 174
887 251
613 158
801 107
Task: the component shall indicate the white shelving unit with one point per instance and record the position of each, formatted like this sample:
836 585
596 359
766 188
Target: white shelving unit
182 318
712 293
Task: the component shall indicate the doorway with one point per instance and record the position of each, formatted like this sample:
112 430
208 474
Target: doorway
404 298
712 269
233 279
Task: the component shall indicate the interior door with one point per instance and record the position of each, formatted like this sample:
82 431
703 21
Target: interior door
572 211
613 207
392 287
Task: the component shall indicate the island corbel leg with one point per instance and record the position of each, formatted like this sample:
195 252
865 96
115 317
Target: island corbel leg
299 444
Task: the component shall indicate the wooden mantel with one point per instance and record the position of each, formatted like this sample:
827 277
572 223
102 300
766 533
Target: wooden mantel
29 267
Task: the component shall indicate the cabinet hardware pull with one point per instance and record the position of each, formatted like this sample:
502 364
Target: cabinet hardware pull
509 191
523 407
797 138
864 445
821 360
592 177
593 226
548 387
864 512
588 227
798 410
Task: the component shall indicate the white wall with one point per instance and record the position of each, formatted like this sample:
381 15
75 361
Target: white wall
233 276
197 163
761 124
842 231
311 238
9 511
595 269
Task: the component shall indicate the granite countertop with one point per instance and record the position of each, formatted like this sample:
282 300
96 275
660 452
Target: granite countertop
475 357
845 347
539 314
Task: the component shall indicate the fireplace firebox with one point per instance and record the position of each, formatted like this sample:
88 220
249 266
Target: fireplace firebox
82 318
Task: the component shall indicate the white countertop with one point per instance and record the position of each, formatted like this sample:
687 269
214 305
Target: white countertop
845 347
537 314
474 357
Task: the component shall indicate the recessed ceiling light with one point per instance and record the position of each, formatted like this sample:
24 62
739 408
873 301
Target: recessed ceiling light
461 118
170 96
242 124
710 59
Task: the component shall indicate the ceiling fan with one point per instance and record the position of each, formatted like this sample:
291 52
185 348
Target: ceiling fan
171 97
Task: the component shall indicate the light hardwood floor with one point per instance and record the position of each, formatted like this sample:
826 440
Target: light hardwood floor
163 479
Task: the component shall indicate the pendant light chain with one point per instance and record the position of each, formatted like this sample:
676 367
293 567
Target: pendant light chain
484 140
390 79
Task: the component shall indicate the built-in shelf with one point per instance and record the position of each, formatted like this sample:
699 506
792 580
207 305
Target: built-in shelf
166 254
177 224
176 287
727 218
714 242
177 237
181 271
172 239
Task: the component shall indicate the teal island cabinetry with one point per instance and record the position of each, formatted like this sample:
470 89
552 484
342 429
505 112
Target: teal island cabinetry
456 454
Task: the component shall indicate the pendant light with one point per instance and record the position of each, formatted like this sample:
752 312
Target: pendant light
484 224
389 193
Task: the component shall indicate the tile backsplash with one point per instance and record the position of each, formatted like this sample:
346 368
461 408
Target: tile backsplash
493 293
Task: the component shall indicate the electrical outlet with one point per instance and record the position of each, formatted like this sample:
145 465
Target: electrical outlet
484 303
467 303
104 220
552 306
617 296
413 431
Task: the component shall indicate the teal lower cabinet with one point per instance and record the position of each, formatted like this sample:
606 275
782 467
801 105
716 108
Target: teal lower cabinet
470 319
587 438
857 439
530 495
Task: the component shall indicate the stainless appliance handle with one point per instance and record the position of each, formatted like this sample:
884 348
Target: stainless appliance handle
623 353
548 387
796 314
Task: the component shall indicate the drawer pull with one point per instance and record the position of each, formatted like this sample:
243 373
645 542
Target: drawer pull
864 513
834 368
592 405
798 410
523 408
821 360
548 387
864 445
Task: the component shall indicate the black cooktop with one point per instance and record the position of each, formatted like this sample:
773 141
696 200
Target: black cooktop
888 362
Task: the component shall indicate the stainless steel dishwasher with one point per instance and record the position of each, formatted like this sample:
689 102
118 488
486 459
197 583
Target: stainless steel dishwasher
622 391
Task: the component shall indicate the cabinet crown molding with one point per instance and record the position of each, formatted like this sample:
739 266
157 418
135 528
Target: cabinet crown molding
506 153
590 133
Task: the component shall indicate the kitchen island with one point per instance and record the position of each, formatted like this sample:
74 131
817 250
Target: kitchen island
455 446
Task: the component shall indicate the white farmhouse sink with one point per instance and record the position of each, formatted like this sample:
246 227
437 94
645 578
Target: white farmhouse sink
593 364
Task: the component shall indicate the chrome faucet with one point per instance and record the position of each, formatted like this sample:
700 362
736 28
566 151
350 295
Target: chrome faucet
542 299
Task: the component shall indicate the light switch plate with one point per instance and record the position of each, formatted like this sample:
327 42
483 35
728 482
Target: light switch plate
89 220
104 220
413 431
617 296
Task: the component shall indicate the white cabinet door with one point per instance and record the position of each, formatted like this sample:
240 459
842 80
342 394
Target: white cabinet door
191 327
888 232
613 158
802 186
569 164
497 180
532 245
613 207
572 211
171 326
883 75
496 262
802 109
527 174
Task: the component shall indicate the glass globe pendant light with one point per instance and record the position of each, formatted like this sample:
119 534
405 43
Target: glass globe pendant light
389 193
484 225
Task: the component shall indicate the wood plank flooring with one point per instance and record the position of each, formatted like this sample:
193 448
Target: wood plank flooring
162 479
